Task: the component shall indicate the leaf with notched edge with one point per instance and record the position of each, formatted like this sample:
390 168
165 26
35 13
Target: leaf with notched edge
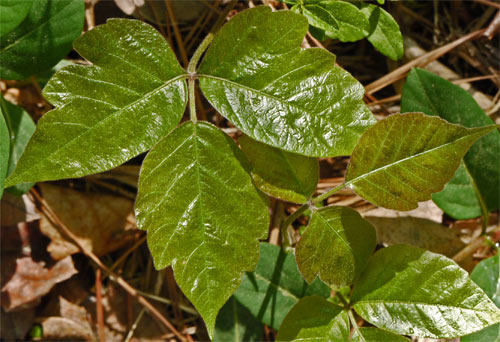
203 214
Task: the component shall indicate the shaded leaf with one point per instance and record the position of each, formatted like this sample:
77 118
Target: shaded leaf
32 280
444 303
98 221
275 286
236 323
315 319
258 77
42 39
376 335
13 13
4 151
109 112
21 128
335 246
351 23
405 158
478 177
384 34
203 214
487 276
288 176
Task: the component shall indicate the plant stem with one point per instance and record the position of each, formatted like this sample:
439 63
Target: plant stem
192 99
342 299
329 193
353 322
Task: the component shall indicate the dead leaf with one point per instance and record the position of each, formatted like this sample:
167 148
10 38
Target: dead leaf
32 280
16 325
99 221
15 209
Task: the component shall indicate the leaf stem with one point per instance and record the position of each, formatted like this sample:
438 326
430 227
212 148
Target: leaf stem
329 193
192 99
342 299
354 324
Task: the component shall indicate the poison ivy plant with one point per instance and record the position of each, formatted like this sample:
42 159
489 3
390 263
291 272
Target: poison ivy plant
4 152
349 22
13 13
236 323
475 187
42 39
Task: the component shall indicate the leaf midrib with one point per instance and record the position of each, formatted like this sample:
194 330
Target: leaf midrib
382 301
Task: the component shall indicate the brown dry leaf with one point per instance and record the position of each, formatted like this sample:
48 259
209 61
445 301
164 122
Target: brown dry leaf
185 11
99 221
32 280
419 227
126 174
15 209
16 325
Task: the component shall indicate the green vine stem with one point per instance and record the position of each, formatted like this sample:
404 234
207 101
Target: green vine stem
192 99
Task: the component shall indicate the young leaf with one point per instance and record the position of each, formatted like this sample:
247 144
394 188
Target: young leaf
405 158
487 275
384 35
376 335
315 319
4 152
236 323
13 13
414 292
336 246
42 39
477 180
202 213
288 176
275 286
258 77
350 23
109 112
21 127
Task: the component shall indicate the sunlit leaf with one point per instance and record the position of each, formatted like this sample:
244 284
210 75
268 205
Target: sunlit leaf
202 213
315 319
42 39
275 286
109 112
336 246
376 335
405 158
477 180
414 292
288 176
256 75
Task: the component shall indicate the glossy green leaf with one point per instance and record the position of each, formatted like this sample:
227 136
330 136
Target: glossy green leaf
13 13
42 39
405 158
414 292
487 276
376 335
109 112
478 177
202 213
315 319
258 77
236 323
275 286
384 34
288 176
350 23
21 128
4 152
336 246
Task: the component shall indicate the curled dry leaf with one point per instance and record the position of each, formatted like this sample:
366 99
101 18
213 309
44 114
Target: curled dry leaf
99 221
32 280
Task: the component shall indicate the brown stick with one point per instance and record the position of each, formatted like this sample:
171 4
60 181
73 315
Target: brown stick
177 33
113 276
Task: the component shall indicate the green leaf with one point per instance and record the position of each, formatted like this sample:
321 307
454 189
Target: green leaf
42 39
109 112
414 292
236 323
315 319
336 246
384 34
376 335
21 128
203 214
44 76
4 152
478 178
13 13
487 276
350 23
405 158
275 286
288 176
258 77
